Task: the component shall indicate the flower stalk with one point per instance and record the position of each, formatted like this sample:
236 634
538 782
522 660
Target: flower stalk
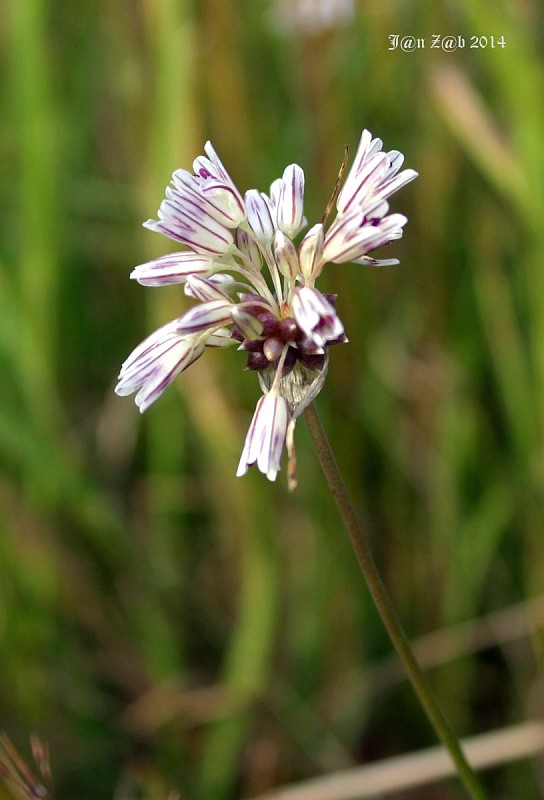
384 607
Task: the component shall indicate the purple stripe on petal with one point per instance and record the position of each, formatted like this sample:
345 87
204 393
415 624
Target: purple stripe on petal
171 269
363 183
155 386
204 316
395 183
266 436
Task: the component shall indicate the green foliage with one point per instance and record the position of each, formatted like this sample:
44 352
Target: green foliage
163 623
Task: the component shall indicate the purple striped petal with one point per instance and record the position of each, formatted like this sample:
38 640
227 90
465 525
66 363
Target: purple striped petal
315 316
154 364
226 200
286 255
372 174
259 215
249 250
216 287
291 201
206 315
203 240
222 203
265 438
172 268
353 235
207 290
395 183
359 186
311 253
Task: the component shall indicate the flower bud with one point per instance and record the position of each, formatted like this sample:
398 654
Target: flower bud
286 255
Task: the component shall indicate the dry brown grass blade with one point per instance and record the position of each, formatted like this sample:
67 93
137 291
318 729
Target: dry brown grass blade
17 777
417 769
440 647
472 123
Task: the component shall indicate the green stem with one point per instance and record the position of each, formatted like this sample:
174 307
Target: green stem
385 609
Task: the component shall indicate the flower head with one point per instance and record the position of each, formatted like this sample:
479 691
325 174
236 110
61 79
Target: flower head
255 287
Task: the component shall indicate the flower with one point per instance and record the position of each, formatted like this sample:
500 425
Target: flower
154 364
312 17
316 316
266 436
255 287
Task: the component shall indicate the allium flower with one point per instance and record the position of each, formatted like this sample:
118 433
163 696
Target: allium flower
254 286
312 17
265 439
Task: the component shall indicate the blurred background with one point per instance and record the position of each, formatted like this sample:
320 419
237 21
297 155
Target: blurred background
163 624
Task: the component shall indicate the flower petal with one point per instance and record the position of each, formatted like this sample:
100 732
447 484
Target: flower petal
172 268
372 174
290 208
259 214
311 253
208 290
349 238
154 364
286 255
315 316
206 315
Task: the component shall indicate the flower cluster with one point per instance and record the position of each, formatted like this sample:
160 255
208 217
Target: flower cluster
283 323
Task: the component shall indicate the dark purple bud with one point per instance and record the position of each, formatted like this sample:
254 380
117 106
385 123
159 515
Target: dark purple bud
253 345
255 309
316 361
290 361
256 361
269 322
237 334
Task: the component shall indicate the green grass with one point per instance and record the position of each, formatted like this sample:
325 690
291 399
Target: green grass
163 623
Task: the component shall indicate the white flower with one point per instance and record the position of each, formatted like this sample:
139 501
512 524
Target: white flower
312 17
205 317
221 201
290 200
215 178
201 209
286 255
315 316
254 287
259 215
373 174
361 230
154 364
311 253
192 225
362 224
214 287
265 438
172 268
